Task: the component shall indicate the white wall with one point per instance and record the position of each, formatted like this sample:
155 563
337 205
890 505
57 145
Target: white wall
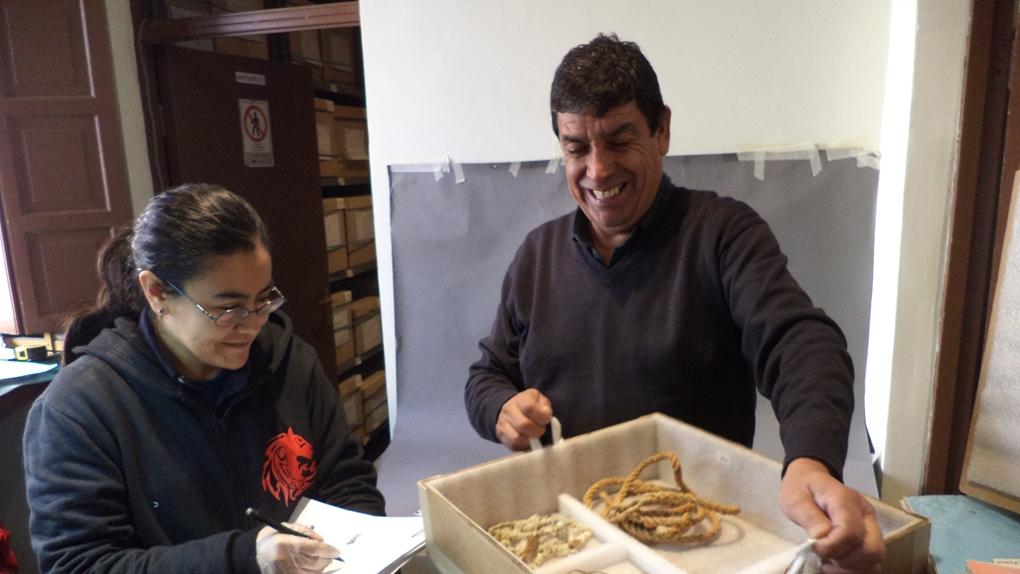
470 81
926 152
129 102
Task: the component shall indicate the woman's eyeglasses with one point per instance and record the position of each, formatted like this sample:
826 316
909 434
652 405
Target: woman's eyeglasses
273 301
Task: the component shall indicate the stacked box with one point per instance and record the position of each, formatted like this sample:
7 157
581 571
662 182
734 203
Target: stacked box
190 9
357 231
339 58
324 127
336 229
305 46
367 324
324 123
245 46
343 332
360 254
358 219
350 396
373 393
459 507
337 260
350 141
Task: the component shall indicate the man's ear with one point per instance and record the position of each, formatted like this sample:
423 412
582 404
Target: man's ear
663 134
153 289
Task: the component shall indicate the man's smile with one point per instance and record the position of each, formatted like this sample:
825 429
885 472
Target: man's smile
602 194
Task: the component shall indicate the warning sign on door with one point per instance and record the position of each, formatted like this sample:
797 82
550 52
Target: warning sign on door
255 133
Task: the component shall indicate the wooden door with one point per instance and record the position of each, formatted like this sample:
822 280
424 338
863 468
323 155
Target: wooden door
201 95
63 182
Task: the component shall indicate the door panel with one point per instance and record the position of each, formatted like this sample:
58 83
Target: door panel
57 162
45 32
63 182
57 255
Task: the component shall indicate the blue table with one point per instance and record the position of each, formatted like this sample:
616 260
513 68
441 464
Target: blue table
965 528
15 374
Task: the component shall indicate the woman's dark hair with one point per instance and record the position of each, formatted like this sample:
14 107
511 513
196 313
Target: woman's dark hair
596 77
175 237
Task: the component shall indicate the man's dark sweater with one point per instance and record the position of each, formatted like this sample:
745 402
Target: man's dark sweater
694 311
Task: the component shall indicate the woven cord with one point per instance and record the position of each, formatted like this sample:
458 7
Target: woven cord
654 513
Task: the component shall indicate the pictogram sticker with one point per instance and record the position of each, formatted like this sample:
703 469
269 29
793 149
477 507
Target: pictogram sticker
256 133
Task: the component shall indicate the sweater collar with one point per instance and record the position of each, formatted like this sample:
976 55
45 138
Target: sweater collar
651 221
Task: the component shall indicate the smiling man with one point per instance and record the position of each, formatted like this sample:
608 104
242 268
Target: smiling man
655 298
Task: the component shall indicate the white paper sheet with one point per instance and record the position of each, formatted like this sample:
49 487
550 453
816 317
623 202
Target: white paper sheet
368 544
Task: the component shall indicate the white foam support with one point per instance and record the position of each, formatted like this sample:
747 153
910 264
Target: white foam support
588 560
557 435
790 561
642 556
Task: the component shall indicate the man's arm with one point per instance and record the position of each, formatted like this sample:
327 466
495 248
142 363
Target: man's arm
496 376
797 353
800 362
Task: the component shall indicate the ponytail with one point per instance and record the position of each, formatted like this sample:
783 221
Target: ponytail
119 294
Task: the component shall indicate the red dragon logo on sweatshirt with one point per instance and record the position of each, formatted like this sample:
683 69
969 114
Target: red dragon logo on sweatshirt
289 468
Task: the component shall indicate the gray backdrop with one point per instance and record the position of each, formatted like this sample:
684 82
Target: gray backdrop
452 243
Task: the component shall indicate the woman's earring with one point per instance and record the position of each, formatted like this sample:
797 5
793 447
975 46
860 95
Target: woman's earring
161 312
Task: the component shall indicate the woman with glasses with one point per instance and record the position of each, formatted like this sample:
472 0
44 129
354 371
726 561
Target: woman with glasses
185 399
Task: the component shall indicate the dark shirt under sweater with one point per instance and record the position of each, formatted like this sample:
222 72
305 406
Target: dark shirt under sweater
699 312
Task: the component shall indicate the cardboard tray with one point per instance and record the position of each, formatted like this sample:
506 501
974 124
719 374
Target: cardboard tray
459 506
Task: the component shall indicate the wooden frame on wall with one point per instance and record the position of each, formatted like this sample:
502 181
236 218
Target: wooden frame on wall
989 156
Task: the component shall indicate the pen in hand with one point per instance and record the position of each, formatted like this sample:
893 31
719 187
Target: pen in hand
277 525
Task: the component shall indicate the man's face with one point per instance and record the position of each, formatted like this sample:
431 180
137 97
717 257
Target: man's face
614 167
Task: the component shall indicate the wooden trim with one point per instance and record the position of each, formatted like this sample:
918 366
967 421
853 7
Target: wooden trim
1010 153
973 245
272 21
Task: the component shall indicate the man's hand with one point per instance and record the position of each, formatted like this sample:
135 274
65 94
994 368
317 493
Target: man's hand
523 417
278 553
838 517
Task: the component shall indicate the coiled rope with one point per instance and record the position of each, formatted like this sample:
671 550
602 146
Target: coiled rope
655 513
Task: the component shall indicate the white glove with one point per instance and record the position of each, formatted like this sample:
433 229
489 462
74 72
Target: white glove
278 553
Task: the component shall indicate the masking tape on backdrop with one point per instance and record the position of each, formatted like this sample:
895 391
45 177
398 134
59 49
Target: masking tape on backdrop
864 157
760 156
515 168
438 169
553 165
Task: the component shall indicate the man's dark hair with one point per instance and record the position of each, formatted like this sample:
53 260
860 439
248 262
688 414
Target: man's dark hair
596 77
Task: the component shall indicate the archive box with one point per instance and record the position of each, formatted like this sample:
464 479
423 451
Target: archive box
458 507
